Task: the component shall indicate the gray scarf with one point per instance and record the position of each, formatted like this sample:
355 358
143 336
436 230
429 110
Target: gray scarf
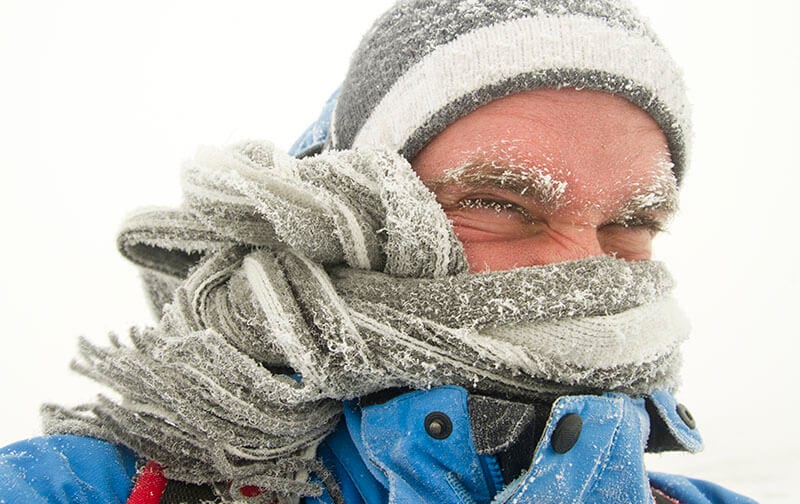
286 286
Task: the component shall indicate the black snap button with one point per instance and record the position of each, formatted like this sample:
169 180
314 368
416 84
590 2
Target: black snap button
687 417
566 433
438 425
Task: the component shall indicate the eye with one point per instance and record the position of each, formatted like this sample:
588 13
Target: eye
495 208
477 217
630 238
641 222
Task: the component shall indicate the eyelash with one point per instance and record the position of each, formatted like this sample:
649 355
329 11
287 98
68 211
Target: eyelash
649 223
499 206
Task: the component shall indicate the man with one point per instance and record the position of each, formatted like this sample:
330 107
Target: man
475 319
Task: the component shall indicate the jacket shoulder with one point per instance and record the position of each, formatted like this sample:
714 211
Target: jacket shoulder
689 490
65 469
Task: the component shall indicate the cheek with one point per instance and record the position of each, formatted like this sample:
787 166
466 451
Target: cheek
496 256
484 249
488 252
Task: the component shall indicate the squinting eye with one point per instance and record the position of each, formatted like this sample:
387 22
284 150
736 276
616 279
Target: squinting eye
628 241
641 222
478 217
501 208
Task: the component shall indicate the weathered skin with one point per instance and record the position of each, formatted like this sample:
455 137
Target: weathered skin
552 175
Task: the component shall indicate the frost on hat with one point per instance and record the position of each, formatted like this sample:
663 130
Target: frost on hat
425 63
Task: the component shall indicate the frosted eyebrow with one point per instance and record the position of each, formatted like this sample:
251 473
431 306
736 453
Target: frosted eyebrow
659 197
524 180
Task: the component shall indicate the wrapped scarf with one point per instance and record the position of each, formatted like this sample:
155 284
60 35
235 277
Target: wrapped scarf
287 286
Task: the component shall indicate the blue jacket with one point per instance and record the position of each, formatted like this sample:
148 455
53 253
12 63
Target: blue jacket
424 446
591 450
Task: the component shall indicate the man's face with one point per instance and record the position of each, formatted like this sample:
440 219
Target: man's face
552 175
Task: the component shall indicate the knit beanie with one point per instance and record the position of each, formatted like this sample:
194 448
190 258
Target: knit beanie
426 63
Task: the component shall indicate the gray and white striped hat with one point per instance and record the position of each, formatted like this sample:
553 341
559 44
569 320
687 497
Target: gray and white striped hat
425 63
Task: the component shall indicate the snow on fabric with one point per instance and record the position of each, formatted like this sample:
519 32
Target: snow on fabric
342 269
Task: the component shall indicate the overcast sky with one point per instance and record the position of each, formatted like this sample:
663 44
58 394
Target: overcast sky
100 102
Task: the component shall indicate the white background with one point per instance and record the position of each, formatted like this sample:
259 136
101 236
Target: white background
101 101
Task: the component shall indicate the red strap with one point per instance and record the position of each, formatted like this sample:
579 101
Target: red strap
250 491
150 485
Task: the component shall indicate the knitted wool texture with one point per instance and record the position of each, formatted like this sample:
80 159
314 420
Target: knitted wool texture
343 269
438 60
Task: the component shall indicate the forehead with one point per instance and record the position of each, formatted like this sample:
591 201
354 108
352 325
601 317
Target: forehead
600 148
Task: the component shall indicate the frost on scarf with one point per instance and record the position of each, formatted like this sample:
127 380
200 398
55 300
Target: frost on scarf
296 284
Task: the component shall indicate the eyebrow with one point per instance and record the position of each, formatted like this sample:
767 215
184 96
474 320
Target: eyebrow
525 180
661 196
